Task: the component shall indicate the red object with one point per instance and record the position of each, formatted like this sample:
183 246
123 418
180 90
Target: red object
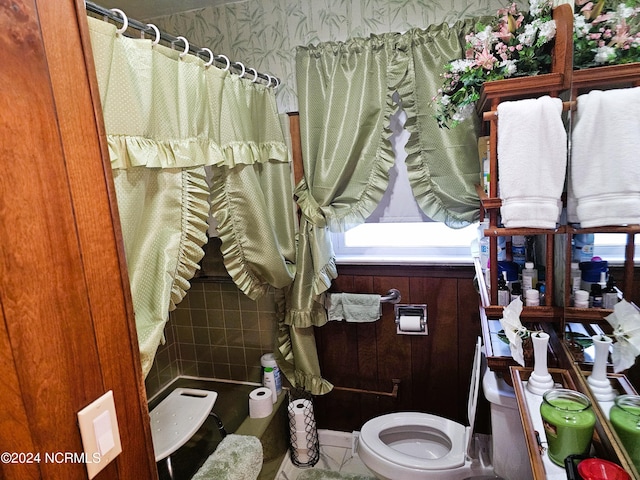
598 469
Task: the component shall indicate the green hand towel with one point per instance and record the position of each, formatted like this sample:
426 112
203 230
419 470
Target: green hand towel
353 307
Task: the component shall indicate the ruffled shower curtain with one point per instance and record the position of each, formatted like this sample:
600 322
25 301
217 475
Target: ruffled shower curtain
345 96
168 118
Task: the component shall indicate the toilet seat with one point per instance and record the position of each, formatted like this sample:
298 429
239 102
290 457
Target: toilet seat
432 442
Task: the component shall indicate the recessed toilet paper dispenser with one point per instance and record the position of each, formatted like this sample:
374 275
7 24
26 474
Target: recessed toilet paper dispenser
411 319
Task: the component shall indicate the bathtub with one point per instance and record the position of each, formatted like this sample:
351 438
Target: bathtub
232 406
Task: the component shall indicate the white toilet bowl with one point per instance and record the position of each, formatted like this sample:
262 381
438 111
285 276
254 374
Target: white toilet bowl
415 446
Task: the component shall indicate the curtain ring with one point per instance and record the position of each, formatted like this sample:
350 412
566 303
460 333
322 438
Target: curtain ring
157 32
226 59
244 70
211 55
277 80
125 20
186 46
269 77
255 75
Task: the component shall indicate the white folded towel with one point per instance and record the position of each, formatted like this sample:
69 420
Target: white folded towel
604 171
532 162
353 307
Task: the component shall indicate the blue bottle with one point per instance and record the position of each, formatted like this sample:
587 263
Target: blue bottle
583 247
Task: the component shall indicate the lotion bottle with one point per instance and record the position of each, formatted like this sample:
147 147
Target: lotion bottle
270 382
529 277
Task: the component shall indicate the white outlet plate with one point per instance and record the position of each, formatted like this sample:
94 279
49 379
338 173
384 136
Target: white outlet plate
100 435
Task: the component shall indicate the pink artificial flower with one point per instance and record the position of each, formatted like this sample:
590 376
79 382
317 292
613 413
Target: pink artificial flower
605 17
512 9
485 60
586 8
621 36
590 12
503 32
519 21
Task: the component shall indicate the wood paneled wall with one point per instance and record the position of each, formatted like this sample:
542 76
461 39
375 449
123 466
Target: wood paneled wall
434 370
67 332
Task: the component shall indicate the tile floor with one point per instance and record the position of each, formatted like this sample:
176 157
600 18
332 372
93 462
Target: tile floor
335 455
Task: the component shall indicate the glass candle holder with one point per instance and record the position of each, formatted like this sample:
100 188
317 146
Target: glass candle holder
568 421
625 418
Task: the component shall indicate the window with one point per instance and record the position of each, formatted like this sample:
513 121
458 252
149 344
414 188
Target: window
398 231
611 247
405 243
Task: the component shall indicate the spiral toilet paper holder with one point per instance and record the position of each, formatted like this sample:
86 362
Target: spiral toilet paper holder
411 319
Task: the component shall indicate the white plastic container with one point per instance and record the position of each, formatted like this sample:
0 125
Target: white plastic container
484 245
576 277
581 299
269 381
532 297
529 277
268 360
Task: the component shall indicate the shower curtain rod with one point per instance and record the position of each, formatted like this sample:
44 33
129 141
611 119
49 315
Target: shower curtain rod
204 53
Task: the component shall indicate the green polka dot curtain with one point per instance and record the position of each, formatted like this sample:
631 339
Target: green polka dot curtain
168 118
345 94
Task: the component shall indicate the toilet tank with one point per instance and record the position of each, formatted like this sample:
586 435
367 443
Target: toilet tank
510 455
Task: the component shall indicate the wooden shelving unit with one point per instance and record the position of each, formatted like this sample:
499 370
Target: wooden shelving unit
562 79
492 94
552 317
607 77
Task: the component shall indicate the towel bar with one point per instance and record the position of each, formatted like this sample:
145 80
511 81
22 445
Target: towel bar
392 296
493 114
393 393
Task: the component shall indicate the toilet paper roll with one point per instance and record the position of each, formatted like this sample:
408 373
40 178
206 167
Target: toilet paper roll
300 407
410 323
301 440
301 414
303 455
260 403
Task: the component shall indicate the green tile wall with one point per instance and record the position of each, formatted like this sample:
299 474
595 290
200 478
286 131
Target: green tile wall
216 332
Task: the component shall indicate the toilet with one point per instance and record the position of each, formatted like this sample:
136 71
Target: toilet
416 446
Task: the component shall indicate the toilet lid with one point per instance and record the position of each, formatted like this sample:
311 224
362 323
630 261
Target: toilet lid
472 404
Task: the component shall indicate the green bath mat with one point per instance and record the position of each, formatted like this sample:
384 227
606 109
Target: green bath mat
329 475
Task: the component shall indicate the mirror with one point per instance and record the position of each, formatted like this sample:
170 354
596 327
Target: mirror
603 64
